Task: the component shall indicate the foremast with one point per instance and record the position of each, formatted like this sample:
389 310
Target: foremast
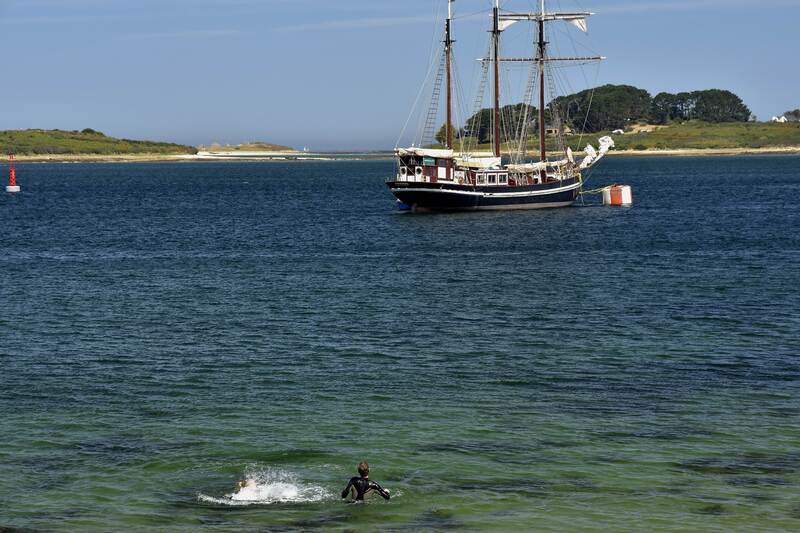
448 50
542 54
496 30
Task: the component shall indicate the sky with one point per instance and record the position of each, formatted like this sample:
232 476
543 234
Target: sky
344 74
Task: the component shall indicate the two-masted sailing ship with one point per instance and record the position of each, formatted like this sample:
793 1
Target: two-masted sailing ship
443 179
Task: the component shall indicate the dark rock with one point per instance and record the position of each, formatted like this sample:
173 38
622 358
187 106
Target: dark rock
713 509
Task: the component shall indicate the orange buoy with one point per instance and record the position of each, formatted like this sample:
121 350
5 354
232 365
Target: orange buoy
618 195
12 176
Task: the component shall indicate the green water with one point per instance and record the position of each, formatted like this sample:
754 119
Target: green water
167 330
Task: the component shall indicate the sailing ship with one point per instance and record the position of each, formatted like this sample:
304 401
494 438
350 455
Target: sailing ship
446 179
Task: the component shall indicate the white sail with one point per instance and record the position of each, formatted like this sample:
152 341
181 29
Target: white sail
505 24
606 144
580 24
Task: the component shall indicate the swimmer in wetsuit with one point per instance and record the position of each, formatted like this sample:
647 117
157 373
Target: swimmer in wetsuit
363 486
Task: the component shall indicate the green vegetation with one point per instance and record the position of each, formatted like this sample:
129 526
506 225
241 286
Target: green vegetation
86 142
704 135
256 146
706 120
793 116
612 107
687 135
710 106
480 124
605 108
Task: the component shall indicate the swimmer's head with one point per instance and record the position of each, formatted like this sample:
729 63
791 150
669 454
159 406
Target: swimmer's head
363 469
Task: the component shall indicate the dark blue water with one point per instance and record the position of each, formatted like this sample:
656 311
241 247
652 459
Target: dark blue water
167 329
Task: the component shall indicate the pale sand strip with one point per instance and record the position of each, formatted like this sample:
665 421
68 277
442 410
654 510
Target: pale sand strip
282 156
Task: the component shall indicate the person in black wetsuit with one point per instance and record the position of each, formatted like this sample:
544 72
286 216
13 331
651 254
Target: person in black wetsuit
362 485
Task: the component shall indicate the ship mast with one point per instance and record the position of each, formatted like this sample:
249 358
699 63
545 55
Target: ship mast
496 50
541 58
448 50
578 19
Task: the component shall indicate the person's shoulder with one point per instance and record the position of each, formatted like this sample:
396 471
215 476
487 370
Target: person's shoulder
354 479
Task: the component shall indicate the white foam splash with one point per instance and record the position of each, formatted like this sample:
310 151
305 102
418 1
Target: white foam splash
264 487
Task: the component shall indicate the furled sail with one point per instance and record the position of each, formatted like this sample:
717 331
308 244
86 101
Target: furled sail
580 24
593 156
505 24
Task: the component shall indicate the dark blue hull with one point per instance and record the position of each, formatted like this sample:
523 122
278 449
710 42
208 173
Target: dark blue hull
453 197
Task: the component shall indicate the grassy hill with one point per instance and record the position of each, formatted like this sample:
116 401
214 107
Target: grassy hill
86 142
691 135
248 147
703 135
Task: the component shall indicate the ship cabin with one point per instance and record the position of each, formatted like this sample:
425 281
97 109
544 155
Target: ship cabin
424 165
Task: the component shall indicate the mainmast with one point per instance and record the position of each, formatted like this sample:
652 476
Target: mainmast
448 50
496 49
541 58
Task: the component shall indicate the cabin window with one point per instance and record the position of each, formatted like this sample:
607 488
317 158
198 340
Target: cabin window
503 180
481 179
492 179
441 162
404 171
428 162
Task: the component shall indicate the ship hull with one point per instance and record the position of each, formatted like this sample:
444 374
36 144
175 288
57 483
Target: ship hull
451 197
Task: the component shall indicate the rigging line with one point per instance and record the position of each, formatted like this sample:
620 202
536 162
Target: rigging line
589 108
435 55
555 114
462 112
428 133
427 75
474 129
472 15
527 103
459 97
416 103
533 78
506 114
573 42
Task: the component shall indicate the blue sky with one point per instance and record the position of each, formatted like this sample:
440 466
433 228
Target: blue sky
344 74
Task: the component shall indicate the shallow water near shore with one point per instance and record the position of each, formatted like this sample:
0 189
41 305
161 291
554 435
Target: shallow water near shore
168 329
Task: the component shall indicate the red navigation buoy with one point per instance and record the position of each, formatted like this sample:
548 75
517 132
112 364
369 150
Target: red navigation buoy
618 195
12 176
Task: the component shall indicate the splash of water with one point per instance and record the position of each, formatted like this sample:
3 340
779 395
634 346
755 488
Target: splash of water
269 486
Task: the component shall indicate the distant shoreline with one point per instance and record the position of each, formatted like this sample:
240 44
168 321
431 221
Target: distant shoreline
233 157
282 157
709 152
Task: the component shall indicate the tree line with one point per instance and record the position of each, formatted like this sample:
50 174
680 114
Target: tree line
612 107
793 116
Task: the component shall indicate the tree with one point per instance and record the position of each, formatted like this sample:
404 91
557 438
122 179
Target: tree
518 118
441 135
664 108
716 105
604 108
512 117
479 126
713 105
793 116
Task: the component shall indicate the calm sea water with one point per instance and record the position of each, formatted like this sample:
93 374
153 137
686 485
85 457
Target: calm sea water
166 330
